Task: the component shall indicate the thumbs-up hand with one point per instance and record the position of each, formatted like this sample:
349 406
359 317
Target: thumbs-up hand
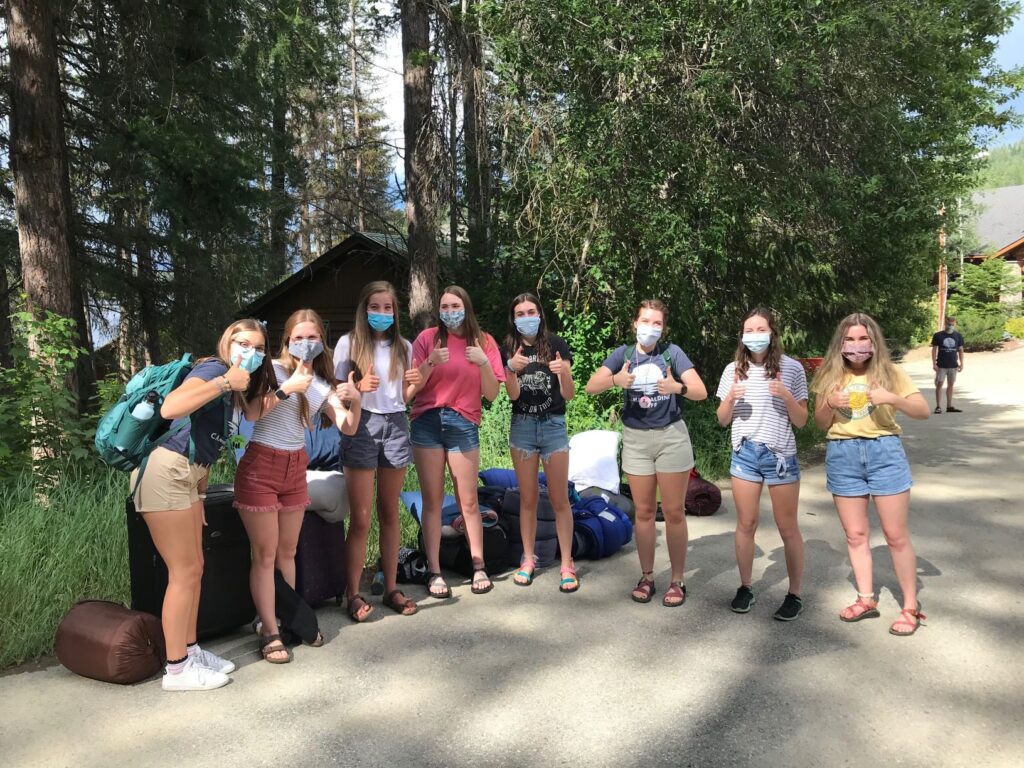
476 356
438 355
776 388
518 361
624 378
413 376
369 383
347 391
558 366
299 381
667 384
838 399
738 390
879 395
238 377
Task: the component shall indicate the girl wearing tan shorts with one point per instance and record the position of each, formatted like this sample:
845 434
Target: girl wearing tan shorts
656 450
170 495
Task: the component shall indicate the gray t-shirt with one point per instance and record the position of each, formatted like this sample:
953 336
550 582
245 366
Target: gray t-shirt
644 407
282 428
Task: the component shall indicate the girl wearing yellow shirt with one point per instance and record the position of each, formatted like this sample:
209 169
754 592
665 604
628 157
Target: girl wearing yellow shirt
858 392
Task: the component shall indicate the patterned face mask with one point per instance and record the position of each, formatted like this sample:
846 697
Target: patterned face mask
453 319
858 351
305 350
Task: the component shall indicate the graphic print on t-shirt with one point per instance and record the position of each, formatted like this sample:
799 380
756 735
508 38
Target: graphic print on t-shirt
860 406
646 383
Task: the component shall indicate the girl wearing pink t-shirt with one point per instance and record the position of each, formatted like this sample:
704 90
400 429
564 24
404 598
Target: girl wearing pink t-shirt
458 363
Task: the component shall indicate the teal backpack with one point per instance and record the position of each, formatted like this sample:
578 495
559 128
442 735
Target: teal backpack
124 442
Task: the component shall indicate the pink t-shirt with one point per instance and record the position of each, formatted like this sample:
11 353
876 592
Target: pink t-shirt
455 384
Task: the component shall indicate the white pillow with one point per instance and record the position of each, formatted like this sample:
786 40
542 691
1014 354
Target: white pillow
327 494
594 459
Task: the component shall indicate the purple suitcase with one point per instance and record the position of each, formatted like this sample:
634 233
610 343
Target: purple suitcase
320 560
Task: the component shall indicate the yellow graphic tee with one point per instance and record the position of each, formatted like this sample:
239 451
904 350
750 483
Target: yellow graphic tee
861 418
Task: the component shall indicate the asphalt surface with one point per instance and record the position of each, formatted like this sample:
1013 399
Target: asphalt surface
531 677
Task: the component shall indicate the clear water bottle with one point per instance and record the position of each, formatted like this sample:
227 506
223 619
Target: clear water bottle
377 585
146 408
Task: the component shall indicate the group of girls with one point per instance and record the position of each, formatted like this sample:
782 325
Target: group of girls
375 373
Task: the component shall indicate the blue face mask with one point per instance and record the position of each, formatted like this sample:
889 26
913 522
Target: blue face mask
379 321
251 359
757 342
454 318
647 334
305 350
528 326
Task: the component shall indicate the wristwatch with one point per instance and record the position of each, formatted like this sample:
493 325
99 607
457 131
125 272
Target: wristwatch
280 394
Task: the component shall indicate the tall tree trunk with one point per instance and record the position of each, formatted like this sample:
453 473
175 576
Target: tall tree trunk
6 335
474 122
356 134
453 151
278 161
148 312
38 158
419 181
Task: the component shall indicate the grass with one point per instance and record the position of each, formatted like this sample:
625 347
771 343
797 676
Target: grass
72 544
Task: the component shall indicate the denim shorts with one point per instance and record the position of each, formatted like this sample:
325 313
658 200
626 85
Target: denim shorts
382 440
445 428
544 434
862 467
755 462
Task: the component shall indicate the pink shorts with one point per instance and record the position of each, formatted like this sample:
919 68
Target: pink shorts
269 480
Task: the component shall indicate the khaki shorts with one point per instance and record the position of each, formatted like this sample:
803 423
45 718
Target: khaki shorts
169 482
943 375
649 451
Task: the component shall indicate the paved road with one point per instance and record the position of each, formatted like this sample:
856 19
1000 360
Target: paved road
525 677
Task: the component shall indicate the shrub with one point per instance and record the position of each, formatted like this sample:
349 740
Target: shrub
981 329
1015 327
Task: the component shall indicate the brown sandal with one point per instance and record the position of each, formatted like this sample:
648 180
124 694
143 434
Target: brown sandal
405 606
266 641
644 589
354 608
675 595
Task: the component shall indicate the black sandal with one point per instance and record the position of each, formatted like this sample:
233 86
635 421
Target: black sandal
432 579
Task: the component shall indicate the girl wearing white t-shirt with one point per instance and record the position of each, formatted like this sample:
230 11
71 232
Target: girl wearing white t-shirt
764 395
270 484
379 449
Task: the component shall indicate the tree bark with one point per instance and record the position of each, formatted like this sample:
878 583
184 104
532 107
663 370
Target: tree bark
356 133
148 291
419 181
6 334
278 160
474 128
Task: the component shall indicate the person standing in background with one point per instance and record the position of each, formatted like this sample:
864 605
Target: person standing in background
947 361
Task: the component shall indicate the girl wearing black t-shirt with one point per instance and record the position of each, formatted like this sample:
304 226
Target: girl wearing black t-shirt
656 450
539 383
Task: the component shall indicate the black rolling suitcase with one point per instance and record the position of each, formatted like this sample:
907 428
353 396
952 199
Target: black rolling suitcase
320 560
225 602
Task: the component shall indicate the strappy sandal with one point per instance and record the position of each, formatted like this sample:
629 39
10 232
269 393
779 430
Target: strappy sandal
865 607
908 618
644 589
523 577
937 410
675 595
477 590
354 608
266 643
405 606
435 579
570 582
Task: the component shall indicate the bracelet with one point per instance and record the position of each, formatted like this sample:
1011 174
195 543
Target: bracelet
226 385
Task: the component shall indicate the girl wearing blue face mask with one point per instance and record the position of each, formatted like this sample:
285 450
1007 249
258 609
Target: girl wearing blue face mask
763 396
270 484
380 449
539 382
656 453
170 494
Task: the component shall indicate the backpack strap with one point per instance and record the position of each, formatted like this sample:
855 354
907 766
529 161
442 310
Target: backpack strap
661 349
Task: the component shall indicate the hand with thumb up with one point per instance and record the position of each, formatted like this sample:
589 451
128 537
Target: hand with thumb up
558 366
347 391
776 388
518 361
369 382
624 378
667 384
237 377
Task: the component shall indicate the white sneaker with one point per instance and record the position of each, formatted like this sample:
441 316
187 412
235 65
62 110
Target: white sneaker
212 661
194 678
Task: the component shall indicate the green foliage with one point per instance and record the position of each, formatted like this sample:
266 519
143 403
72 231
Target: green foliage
980 287
981 329
1004 167
38 412
59 543
1015 327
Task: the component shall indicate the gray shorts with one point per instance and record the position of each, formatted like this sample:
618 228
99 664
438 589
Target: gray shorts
943 375
382 440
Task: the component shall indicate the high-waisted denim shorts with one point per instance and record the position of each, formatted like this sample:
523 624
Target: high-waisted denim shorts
862 467
445 428
757 463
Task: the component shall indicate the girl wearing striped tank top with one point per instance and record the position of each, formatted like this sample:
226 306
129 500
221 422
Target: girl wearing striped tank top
270 484
763 396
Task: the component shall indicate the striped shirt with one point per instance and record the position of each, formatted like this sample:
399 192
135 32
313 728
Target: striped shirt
282 428
759 417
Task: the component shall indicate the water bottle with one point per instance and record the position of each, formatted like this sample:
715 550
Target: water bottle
146 408
377 585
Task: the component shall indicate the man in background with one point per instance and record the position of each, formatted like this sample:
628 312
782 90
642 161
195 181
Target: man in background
947 360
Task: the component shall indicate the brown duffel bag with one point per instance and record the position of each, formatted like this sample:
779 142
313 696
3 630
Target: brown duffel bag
108 642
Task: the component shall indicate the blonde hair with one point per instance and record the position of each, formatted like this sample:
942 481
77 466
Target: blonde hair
322 365
361 339
261 380
834 368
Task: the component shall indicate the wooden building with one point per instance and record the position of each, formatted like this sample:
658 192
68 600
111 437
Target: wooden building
331 284
1000 228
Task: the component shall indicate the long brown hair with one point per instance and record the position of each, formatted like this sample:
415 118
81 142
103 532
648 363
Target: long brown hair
322 365
772 361
361 339
514 339
262 379
474 336
834 368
